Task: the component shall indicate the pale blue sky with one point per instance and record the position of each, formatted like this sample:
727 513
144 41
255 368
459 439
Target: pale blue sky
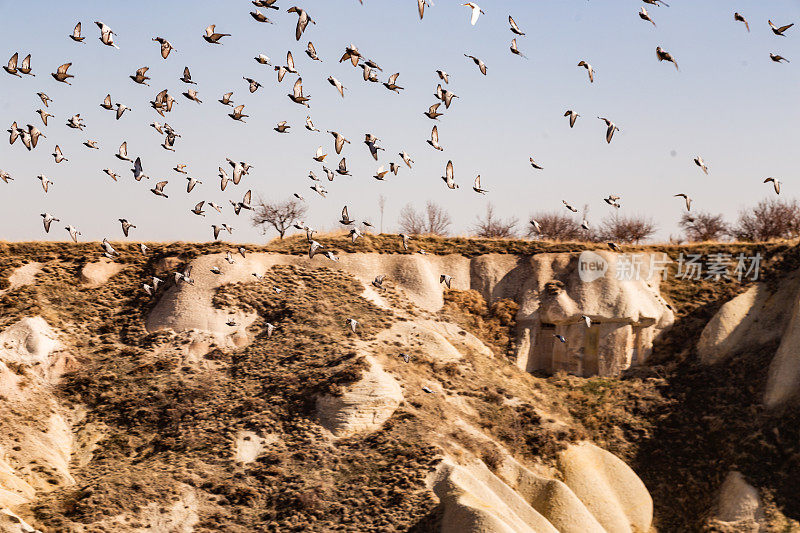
729 103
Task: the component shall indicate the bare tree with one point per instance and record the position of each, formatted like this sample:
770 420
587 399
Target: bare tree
382 206
495 228
278 215
434 220
555 226
632 229
770 219
703 226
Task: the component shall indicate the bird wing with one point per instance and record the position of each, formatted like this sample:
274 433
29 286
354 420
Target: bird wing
298 88
160 186
302 22
513 24
345 216
343 165
421 8
210 30
12 63
289 60
186 73
433 108
61 70
123 149
435 136
141 72
247 197
77 31
449 171
311 49
393 78
477 184
784 28
476 12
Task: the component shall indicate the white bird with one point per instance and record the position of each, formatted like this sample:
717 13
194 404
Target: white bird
700 163
106 35
48 219
589 69
138 171
45 182
59 157
73 233
158 190
573 117
476 12
611 129
447 280
434 141
775 184
477 186
352 323
449 176
686 199
123 152
191 183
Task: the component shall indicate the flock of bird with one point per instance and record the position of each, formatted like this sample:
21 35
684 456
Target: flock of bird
163 102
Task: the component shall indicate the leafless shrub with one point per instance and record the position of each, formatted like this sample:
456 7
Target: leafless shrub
434 220
701 227
278 215
627 229
769 219
495 228
555 226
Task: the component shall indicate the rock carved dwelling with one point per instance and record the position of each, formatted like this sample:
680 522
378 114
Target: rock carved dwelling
675 410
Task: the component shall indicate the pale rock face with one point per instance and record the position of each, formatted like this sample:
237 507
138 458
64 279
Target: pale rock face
364 406
34 457
608 487
628 314
22 276
725 331
739 504
97 274
599 494
757 317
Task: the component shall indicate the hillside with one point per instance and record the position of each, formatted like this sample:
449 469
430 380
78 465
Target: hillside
183 412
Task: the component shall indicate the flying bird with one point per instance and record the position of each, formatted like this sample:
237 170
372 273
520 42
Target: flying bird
166 47
481 64
573 116
611 129
61 74
449 178
663 55
126 226
589 69
514 28
700 163
644 15
336 83
476 12
739 18
47 220
779 31
106 35
312 52
775 184
477 186
187 76
212 37
777 58
434 140
76 34
140 76
686 199
515 49
302 20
